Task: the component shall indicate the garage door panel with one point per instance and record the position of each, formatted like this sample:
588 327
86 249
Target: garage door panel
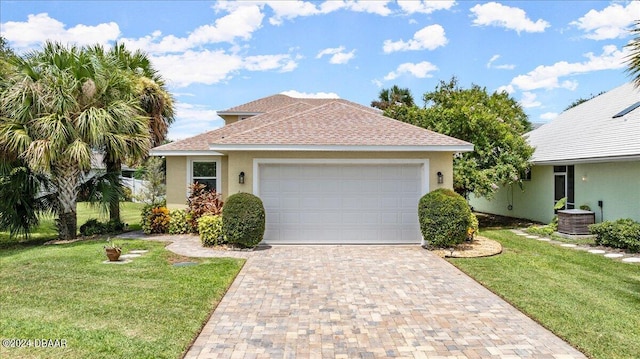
351 203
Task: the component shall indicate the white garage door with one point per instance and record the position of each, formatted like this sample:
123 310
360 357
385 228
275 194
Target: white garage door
341 203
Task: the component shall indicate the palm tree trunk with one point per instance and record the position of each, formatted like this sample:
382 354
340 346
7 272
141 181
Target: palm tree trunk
65 178
114 168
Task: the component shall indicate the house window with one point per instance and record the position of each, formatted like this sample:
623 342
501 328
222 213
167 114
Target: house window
526 175
206 173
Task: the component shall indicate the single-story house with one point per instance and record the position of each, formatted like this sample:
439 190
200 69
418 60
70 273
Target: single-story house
589 154
327 170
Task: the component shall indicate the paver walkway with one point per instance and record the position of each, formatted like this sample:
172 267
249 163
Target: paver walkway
606 252
362 302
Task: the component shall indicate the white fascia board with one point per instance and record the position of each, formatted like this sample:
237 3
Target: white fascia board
343 148
571 161
185 153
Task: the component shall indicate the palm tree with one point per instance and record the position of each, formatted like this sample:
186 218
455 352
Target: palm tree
633 59
60 104
393 96
155 103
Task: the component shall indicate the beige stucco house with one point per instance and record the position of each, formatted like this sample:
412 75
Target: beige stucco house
327 170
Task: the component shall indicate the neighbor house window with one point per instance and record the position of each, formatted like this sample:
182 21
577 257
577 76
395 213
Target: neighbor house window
206 173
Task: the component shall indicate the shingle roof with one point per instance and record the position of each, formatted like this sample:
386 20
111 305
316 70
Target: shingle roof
313 122
588 132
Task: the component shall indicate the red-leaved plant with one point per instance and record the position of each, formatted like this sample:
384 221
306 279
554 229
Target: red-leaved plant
202 201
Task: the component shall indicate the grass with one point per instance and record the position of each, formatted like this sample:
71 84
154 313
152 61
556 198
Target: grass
590 301
143 309
129 213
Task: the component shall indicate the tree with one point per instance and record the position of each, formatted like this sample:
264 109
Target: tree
392 97
57 107
155 103
494 123
582 100
154 191
633 59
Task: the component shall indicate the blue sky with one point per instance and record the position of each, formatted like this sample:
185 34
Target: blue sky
215 55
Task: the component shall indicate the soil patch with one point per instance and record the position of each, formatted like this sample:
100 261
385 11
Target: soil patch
479 247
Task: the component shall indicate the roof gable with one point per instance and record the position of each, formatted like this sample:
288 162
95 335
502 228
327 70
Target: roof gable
590 131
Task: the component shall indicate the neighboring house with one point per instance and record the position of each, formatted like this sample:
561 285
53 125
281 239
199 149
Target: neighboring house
98 167
327 170
590 154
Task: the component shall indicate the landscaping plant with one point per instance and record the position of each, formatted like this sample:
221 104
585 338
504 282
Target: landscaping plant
202 201
155 220
210 229
92 227
243 220
445 218
180 222
623 234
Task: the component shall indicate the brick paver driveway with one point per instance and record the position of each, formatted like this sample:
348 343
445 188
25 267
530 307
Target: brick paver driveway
366 302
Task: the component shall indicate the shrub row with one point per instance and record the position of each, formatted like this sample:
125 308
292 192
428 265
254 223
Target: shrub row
445 218
242 224
623 234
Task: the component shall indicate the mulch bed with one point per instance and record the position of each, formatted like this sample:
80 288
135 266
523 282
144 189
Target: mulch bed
479 247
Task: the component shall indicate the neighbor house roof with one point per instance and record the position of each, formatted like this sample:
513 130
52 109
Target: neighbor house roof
589 132
286 123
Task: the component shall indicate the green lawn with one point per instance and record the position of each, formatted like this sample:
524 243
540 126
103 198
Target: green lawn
144 309
129 213
589 300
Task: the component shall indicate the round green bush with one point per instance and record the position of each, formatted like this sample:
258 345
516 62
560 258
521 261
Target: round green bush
444 218
243 220
210 229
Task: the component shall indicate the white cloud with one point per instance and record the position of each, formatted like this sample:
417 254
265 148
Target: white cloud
424 6
39 28
193 119
490 64
610 23
205 67
430 38
240 23
508 89
420 70
210 67
548 116
511 18
528 100
371 7
283 62
297 94
337 55
289 10
548 77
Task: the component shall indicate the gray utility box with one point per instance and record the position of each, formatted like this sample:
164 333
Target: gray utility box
575 221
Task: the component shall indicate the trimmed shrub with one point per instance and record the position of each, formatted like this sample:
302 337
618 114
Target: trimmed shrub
93 226
201 202
623 234
179 222
210 229
445 218
243 220
155 219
